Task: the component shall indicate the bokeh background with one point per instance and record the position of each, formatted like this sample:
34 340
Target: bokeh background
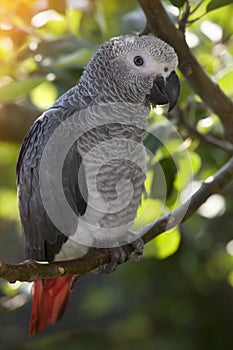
181 294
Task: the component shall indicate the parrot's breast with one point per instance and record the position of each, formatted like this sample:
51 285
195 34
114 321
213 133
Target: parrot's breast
114 162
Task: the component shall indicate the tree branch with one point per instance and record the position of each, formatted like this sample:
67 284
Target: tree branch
32 270
160 24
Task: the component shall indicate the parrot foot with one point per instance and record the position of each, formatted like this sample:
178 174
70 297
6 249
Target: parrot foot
118 256
138 247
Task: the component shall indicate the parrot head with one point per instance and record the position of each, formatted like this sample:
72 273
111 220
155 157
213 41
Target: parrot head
141 69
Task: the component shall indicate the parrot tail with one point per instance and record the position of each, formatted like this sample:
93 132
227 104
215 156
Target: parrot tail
51 297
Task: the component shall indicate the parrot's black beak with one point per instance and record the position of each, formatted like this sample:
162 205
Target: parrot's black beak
165 91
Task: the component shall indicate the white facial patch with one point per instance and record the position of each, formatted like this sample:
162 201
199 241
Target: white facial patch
150 66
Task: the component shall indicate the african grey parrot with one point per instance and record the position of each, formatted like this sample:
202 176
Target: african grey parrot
81 168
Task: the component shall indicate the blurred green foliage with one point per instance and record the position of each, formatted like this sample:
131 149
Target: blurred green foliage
184 301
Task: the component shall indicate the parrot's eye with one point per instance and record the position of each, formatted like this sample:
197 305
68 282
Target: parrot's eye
166 69
138 60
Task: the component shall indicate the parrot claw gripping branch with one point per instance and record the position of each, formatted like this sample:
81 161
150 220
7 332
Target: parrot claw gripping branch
108 109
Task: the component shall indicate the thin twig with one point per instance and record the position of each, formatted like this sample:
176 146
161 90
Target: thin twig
226 147
184 18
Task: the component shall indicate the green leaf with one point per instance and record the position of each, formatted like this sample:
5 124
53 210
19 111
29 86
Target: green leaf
19 88
225 82
163 179
77 58
230 278
172 147
188 165
185 92
164 245
55 27
157 136
178 3
149 211
8 204
73 16
196 162
215 4
10 289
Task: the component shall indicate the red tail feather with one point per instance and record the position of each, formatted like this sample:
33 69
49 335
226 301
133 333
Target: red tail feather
50 299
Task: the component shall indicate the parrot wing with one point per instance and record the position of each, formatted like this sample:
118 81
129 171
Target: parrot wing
43 238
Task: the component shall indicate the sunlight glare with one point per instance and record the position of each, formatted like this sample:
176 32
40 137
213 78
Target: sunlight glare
212 30
229 247
191 39
6 44
205 122
214 206
42 18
